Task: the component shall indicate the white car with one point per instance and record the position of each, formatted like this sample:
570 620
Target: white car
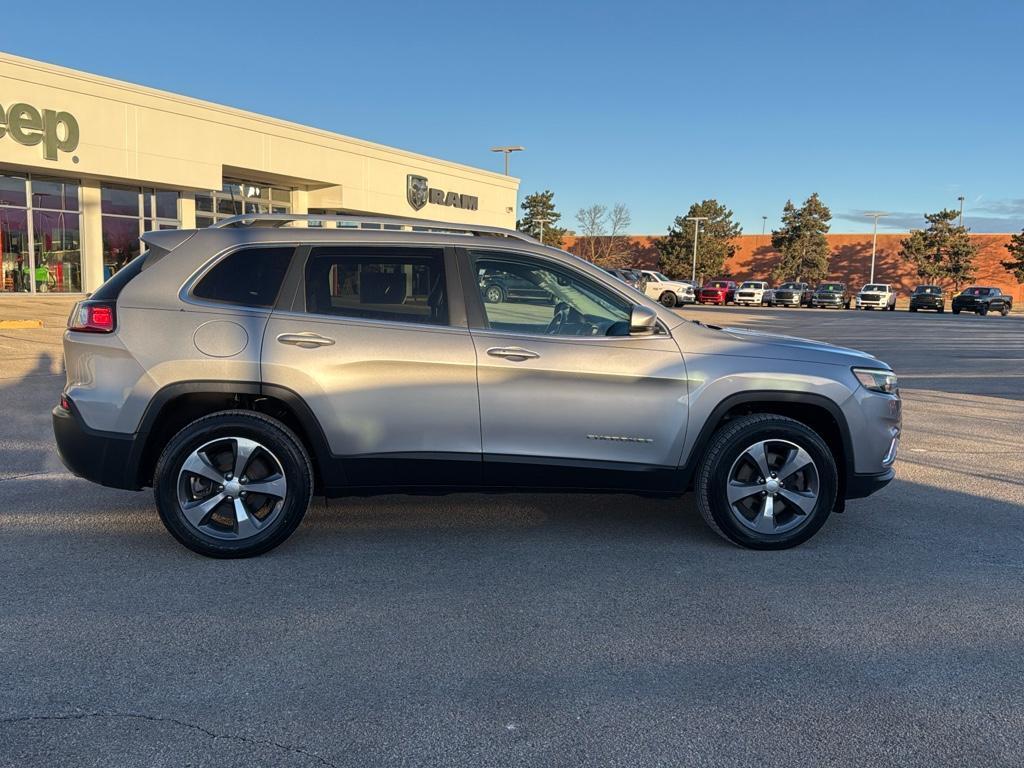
876 296
671 293
754 292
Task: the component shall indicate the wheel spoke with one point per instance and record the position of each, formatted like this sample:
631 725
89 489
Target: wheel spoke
765 520
197 511
801 502
243 453
198 464
759 453
797 459
270 486
245 524
739 491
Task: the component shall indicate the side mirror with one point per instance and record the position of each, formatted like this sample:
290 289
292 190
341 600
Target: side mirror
642 321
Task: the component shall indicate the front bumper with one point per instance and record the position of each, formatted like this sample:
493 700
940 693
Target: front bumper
106 458
861 486
827 302
927 303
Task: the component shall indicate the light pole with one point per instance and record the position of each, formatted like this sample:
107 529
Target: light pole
696 225
876 215
542 222
961 199
506 151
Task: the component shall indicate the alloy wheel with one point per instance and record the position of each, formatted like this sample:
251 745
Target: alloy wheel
773 487
231 488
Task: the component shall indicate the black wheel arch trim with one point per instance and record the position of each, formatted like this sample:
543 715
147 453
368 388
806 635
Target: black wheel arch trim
783 397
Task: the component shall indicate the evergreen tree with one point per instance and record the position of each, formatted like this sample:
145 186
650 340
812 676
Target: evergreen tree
801 241
1015 264
537 208
941 251
714 242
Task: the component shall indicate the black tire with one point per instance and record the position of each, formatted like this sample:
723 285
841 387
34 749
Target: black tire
277 438
914 309
983 310
892 307
1005 310
956 311
941 310
494 294
668 299
728 443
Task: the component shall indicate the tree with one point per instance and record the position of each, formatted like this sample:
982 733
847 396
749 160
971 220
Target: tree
603 235
941 251
539 214
801 241
1015 264
714 243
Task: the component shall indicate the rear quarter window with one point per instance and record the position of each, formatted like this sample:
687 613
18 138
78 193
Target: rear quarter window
248 277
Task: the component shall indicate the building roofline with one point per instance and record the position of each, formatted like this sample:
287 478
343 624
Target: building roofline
143 90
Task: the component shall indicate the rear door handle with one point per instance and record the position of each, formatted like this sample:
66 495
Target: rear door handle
306 340
515 354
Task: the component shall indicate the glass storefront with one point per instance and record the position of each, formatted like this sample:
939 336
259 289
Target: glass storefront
40 234
237 197
128 212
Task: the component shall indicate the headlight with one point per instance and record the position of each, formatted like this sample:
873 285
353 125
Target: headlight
876 380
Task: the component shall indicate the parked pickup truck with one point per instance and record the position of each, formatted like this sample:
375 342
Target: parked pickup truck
754 293
717 292
876 296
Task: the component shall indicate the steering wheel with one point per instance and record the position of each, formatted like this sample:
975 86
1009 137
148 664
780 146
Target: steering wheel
560 318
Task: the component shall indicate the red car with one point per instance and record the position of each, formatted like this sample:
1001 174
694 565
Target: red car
717 292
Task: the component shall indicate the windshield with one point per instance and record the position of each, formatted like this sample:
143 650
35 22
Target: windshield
755 285
930 289
875 288
976 292
718 284
791 286
659 277
831 287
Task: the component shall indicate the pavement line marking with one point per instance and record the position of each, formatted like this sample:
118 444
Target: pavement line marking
19 325
39 476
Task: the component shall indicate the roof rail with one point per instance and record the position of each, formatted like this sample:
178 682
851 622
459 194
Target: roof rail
392 223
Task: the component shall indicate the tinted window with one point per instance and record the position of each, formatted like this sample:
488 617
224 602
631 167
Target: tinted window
251 276
398 284
876 288
976 292
791 286
831 287
523 295
931 289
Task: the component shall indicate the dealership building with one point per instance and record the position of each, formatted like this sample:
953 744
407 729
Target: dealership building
87 164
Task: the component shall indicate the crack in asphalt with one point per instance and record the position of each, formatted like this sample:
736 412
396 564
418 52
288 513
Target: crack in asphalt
174 721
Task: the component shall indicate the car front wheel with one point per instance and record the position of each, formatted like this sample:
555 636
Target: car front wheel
1004 311
983 310
766 482
668 299
233 484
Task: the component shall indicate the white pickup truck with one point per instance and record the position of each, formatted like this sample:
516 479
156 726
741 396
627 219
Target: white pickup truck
754 293
876 296
671 293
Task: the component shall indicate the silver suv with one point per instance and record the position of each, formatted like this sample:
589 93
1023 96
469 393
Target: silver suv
241 369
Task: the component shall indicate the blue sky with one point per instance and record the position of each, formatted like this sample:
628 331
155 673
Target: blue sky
898 106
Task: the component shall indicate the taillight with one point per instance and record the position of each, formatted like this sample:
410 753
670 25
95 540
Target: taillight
93 317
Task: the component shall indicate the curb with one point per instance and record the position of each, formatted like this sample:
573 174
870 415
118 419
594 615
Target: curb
13 325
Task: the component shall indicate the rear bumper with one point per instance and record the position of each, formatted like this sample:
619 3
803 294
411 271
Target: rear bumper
103 457
860 486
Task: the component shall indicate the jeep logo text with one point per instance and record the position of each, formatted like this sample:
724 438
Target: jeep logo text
56 131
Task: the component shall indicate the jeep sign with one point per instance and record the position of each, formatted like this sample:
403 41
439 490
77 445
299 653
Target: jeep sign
418 192
56 131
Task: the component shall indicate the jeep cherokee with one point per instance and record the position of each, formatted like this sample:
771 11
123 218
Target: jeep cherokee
240 369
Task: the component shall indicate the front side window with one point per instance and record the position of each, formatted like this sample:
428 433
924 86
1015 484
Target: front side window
251 277
525 295
405 285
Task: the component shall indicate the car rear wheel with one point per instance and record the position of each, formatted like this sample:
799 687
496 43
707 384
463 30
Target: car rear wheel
494 294
766 482
668 299
233 484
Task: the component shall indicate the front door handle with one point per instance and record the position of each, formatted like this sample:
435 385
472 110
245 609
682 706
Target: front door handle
306 340
515 354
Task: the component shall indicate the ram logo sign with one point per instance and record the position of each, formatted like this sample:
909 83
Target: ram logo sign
26 125
419 192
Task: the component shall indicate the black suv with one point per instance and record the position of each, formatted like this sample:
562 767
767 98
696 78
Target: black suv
497 287
927 297
793 295
981 300
831 295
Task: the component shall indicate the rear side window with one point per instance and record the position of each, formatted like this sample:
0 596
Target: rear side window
405 285
250 277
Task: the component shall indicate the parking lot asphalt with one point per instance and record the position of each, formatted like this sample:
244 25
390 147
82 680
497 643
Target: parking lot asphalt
536 630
